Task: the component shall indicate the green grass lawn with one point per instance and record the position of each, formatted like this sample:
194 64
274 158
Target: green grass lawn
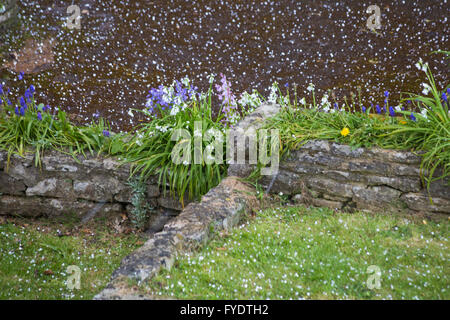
300 253
34 259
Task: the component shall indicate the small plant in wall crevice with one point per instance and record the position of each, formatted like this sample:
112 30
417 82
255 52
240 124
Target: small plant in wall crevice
139 213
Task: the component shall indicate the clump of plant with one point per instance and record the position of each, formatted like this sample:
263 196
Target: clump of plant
181 109
139 213
26 125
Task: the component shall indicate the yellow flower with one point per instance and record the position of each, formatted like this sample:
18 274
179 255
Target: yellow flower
345 132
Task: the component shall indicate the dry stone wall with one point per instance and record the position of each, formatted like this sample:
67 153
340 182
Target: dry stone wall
325 173
329 174
64 185
320 173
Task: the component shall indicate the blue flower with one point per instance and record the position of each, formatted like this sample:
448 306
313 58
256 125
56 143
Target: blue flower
286 85
378 109
45 108
16 110
364 109
39 116
106 133
28 94
32 89
9 102
22 111
22 102
391 112
1 89
386 94
413 118
21 74
444 97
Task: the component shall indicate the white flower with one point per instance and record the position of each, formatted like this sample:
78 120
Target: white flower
303 101
310 87
426 89
211 78
324 99
273 94
130 113
174 111
424 113
185 81
398 108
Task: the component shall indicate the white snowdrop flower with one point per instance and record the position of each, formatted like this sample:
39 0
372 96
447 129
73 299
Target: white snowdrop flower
185 81
130 113
273 94
311 87
425 67
211 78
398 108
303 101
424 113
426 89
174 111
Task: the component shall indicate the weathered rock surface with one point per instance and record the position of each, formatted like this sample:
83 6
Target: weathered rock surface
221 208
337 176
65 185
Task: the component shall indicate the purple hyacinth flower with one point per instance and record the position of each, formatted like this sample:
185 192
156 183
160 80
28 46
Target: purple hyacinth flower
391 112
1 89
386 94
444 97
364 109
16 110
45 108
378 109
32 89
21 74
39 116
9 102
106 133
413 118
22 111
286 85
